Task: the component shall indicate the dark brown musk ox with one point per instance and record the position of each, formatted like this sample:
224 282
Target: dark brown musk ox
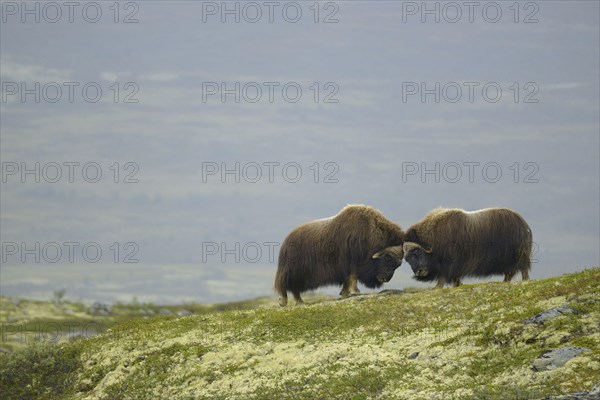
450 244
358 243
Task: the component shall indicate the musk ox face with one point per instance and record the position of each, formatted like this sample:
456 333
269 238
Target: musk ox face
383 265
421 261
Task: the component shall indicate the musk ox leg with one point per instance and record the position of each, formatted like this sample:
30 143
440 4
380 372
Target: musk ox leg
298 298
456 282
354 289
524 266
350 286
509 275
345 289
440 282
283 300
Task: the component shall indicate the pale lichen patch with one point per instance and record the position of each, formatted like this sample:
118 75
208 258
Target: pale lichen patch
552 302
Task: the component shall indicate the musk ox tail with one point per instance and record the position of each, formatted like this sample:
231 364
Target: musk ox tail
279 285
281 277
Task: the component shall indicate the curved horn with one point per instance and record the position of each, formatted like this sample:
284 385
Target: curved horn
393 250
398 251
408 246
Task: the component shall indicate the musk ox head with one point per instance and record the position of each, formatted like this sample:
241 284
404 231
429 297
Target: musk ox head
421 261
382 268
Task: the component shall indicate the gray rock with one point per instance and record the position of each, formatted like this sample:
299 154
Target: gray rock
165 311
552 359
183 313
5 350
413 355
549 314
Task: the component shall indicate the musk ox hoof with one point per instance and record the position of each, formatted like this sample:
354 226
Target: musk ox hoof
283 301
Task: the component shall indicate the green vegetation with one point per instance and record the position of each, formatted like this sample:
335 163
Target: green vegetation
471 343
26 321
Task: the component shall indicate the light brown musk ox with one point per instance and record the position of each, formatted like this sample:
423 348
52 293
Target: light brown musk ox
358 243
450 244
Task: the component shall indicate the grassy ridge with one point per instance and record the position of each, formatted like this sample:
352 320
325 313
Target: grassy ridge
466 342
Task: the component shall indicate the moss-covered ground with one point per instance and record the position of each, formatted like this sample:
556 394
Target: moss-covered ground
456 343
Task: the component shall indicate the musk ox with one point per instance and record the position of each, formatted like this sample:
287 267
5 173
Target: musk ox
449 244
358 243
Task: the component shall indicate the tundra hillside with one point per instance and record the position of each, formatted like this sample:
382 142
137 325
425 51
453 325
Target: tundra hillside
467 342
